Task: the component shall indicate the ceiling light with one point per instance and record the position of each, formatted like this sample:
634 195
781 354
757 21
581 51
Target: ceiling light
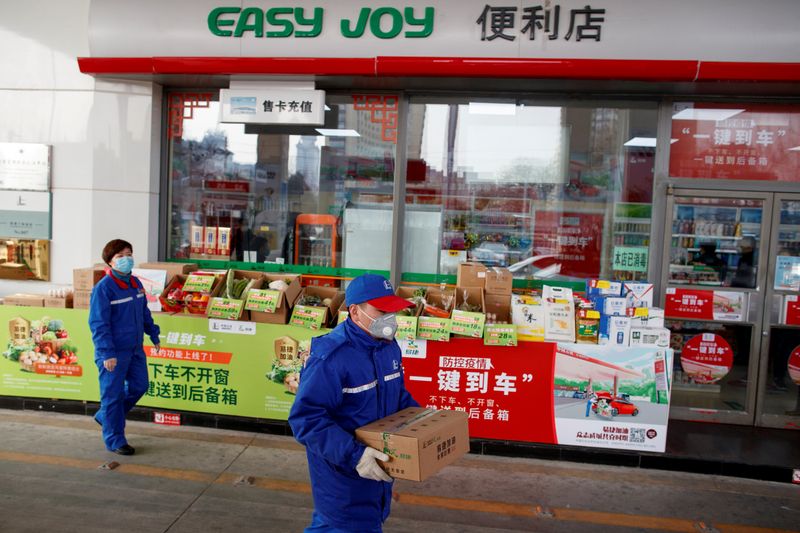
645 142
337 133
706 114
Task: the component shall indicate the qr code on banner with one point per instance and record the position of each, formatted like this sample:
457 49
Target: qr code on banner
637 435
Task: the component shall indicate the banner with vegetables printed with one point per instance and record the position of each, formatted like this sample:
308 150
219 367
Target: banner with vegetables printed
196 370
48 353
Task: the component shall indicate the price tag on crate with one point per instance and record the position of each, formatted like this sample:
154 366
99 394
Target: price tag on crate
406 328
307 316
433 329
262 300
467 324
198 283
500 335
225 308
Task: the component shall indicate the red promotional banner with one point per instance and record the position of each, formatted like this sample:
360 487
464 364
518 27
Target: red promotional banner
506 391
188 354
792 311
690 304
735 141
228 186
707 358
574 238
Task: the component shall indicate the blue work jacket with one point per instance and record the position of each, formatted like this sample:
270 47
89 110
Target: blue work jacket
119 317
350 379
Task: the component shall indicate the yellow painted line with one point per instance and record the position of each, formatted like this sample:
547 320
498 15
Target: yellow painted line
422 500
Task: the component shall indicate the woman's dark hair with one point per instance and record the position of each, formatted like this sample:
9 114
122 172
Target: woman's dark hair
113 248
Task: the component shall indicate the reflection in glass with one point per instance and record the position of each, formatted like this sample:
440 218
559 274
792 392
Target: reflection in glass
281 193
548 191
782 394
25 259
722 391
715 242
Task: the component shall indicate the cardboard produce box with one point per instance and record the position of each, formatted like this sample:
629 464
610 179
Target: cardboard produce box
59 302
331 311
419 442
172 269
81 299
24 300
499 280
443 300
84 279
498 307
471 274
470 295
197 307
286 300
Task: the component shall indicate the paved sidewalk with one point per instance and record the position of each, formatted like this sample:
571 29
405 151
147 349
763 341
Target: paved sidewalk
192 479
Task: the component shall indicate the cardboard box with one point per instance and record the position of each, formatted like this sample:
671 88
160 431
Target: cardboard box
196 309
638 294
84 279
419 442
408 294
610 305
172 269
58 302
24 300
527 313
471 296
599 287
499 280
285 303
655 337
471 275
336 296
615 330
81 299
498 307
440 298
644 317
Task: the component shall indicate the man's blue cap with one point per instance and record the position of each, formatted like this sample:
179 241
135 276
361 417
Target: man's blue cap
376 291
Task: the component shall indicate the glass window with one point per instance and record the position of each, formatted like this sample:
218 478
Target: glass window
735 141
550 191
286 194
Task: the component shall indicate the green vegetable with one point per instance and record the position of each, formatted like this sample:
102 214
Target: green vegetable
311 300
55 325
49 336
278 372
229 284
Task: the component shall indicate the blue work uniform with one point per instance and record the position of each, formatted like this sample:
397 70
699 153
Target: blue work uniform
119 318
350 379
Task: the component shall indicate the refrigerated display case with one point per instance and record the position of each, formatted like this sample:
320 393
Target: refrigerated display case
316 240
707 239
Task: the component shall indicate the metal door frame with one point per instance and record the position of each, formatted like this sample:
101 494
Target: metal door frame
755 302
769 320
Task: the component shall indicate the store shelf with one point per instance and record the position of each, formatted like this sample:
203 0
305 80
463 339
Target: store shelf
701 235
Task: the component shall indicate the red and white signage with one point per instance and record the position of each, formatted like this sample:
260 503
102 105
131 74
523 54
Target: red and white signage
543 392
227 186
734 141
167 419
694 304
791 311
794 365
707 358
574 238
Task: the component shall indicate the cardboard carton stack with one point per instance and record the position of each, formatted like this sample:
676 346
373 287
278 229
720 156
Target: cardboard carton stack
83 281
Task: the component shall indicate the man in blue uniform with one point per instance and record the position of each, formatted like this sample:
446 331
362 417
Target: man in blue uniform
352 377
119 318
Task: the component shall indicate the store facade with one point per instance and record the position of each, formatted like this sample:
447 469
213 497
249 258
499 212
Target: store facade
565 141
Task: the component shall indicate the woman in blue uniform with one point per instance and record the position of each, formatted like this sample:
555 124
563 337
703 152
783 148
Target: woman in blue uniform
119 318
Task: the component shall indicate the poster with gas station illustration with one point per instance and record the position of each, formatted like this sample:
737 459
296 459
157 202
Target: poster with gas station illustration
612 396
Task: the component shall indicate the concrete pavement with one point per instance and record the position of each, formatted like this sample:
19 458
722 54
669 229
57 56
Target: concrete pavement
52 478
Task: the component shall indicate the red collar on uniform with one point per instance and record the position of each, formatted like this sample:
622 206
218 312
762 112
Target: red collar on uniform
122 284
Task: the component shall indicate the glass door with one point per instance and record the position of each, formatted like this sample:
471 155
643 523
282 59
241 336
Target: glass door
778 392
715 255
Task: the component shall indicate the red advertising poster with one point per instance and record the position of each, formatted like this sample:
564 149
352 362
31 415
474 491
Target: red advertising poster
705 305
735 141
690 304
574 238
792 311
794 365
585 395
228 186
167 419
707 358
506 391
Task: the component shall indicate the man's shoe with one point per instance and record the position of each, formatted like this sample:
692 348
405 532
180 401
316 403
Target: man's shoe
126 449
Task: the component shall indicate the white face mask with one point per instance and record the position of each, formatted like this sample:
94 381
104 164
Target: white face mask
384 327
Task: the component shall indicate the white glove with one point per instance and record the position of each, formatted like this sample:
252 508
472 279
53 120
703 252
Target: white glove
368 466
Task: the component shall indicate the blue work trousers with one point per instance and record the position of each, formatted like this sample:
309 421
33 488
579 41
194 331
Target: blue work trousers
119 392
319 525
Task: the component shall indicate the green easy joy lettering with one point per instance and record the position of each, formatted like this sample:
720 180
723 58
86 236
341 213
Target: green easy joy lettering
383 22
